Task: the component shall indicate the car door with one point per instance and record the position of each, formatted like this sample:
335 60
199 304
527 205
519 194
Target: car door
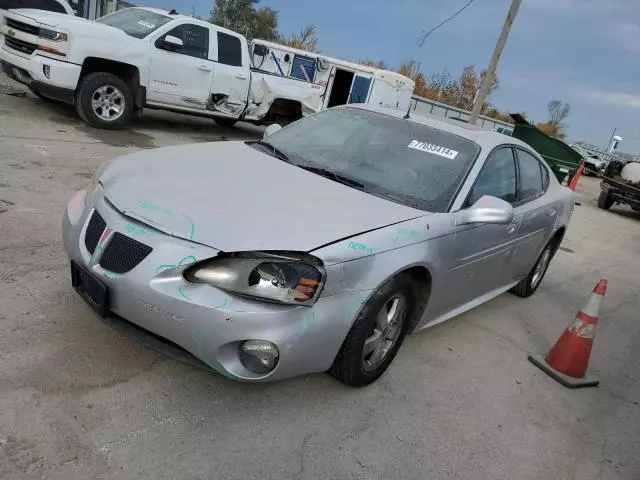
481 252
538 213
181 75
230 85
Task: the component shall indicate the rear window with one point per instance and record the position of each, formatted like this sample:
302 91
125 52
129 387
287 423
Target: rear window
49 5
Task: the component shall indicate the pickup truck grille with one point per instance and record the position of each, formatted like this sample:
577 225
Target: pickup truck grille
19 45
23 27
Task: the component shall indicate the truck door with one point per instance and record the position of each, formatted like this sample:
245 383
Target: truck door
230 85
180 69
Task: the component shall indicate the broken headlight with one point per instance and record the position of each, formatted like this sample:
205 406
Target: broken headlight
285 278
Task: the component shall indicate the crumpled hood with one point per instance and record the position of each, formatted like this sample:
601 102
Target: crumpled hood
233 197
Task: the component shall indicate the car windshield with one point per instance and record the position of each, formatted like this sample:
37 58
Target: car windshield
394 158
135 21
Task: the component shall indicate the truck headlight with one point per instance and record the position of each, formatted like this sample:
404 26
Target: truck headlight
53 35
287 277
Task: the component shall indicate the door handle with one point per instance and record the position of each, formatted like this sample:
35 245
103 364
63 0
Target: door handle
512 228
551 212
241 77
204 68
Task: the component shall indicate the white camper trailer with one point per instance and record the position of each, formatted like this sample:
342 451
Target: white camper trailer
342 82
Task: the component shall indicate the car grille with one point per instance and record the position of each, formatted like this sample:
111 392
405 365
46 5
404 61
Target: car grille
19 45
123 253
94 231
23 27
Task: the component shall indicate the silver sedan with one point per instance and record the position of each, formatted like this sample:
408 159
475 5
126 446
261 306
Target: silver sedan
317 248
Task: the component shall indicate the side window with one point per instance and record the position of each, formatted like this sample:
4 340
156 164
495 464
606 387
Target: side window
531 177
195 40
229 50
497 178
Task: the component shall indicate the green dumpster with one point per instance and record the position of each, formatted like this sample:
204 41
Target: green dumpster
559 156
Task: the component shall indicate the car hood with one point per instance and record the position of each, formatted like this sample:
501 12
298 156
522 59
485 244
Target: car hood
232 197
65 21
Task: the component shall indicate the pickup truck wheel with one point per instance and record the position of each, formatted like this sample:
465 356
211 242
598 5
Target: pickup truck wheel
225 122
605 200
104 100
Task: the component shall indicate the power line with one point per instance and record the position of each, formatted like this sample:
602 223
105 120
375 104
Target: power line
424 37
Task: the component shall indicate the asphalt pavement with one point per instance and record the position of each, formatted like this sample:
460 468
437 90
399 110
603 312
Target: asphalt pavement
79 401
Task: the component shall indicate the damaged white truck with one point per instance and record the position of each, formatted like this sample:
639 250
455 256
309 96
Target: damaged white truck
113 68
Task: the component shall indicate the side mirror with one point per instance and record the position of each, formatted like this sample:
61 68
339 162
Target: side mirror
271 129
171 43
487 209
260 50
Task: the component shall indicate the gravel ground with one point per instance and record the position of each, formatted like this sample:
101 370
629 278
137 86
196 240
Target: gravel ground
78 400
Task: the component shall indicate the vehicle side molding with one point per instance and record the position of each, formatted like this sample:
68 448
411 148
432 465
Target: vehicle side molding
487 209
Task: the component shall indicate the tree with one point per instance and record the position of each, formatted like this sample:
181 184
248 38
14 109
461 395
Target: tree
556 125
243 17
305 40
373 63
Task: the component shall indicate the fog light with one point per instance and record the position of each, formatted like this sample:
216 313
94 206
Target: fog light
46 69
258 356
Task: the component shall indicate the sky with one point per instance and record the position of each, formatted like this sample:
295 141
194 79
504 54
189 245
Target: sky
585 52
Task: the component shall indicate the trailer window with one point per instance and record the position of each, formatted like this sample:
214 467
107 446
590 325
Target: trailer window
229 50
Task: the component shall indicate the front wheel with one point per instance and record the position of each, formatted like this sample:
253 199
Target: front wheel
376 335
529 285
605 200
104 100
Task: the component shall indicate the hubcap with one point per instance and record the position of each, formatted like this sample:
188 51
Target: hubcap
385 333
108 103
541 267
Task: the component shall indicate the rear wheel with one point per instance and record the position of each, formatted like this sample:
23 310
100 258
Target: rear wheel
605 200
529 285
377 334
104 100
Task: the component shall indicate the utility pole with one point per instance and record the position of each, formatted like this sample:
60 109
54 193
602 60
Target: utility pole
493 64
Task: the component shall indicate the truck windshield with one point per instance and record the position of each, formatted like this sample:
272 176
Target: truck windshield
386 156
135 21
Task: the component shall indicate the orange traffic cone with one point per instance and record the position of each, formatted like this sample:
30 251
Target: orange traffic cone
576 177
568 359
565 182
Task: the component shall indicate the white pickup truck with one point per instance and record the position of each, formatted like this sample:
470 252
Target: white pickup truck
113 68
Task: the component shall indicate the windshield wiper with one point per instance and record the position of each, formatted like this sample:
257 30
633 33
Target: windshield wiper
276 152
334 176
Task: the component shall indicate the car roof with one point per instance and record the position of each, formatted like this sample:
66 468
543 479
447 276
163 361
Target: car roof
487 139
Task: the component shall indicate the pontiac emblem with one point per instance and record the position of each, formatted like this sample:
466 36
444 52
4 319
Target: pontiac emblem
11 33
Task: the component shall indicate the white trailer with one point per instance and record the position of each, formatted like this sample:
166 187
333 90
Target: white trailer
342 82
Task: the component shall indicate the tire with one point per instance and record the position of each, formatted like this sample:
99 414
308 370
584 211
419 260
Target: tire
605 200
225 122
529 285
106 85
351 365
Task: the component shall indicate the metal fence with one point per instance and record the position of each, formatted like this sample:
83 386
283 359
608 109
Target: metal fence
425 106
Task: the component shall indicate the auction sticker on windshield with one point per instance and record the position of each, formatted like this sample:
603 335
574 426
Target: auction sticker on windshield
146 24
435 149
